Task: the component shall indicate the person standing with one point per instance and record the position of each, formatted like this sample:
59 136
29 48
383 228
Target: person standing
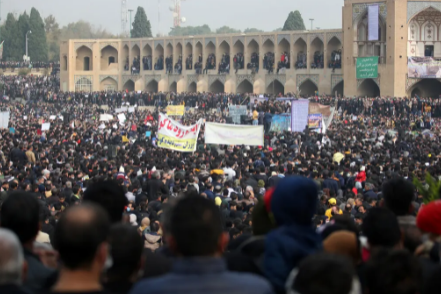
199 268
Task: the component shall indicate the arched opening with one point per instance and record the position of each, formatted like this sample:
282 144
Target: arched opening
159 56
308 88
368 88
152 87
86 64
210 51
83 85
268 58
136 60
147 57
84 59
275 88
253 55
284 49
339 89
169 58
178 58
363 46
224 63
238 58
129 86
317 49
108 84
334 49
245 87
126 58
217 87
173 87
300 54
189 56
109 55
192 87
64 63
427 88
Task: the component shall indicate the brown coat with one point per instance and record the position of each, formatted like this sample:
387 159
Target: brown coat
31 156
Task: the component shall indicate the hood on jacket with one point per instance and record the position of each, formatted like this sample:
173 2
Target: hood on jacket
294 201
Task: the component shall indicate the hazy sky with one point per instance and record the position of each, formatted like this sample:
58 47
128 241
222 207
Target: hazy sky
240 14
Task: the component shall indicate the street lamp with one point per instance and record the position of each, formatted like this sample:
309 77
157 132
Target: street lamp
30 32
130 27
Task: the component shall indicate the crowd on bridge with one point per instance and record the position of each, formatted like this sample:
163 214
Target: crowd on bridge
95 206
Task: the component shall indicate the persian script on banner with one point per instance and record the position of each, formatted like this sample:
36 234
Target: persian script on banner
175 136
175 110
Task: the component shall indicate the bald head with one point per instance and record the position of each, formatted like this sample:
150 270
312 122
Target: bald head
11 258
80 232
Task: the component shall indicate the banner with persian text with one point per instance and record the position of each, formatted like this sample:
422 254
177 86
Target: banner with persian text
175 136
367 67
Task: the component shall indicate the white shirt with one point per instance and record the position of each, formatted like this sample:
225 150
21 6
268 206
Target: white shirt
130 196
229 173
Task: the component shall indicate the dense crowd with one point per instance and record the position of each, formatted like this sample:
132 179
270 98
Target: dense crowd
31 64
92 206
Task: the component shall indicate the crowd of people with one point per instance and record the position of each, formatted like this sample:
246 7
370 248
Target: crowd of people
224 65
254 64
210 63
238 61
92 206
159 64
318 60
27 64
301 61
268 62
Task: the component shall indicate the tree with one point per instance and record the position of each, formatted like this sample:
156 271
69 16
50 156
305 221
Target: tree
252 30
190 31
37 39
227 30
53 33
294 22
141 25
10 35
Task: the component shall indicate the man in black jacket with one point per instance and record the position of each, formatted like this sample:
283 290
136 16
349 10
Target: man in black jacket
154 186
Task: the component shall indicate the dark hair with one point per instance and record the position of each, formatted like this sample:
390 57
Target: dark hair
315 276
195 224
77 238
402 269
126 247
110 196
380 226
398 195
20 213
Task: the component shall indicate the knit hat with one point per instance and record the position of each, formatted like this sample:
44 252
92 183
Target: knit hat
429 218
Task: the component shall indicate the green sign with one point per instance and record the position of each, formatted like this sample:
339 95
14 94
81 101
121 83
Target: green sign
367 67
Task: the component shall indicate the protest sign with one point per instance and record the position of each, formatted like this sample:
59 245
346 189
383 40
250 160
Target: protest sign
175 136
227 134
175 110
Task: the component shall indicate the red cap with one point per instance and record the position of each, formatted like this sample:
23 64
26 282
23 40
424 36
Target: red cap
429 218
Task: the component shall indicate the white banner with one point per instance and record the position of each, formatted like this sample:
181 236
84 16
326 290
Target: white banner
45 126
373 22
4 119
106 117
299 115
121 109
227 134
175 136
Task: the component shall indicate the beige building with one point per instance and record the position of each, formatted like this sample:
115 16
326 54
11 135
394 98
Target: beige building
406 28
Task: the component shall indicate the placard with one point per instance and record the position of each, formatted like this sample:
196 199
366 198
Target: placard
227 134
299 115
367 67
45 126
235 111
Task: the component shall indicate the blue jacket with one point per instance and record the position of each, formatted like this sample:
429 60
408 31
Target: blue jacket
330 184
204 275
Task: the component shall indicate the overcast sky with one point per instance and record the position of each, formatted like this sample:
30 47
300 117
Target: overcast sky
262 14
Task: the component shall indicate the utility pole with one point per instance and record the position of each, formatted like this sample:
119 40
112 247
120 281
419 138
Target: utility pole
130 26
312 21
30 32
